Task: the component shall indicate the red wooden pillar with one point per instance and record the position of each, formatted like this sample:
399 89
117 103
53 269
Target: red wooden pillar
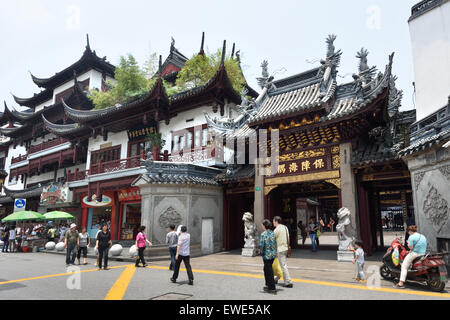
84 216
364 218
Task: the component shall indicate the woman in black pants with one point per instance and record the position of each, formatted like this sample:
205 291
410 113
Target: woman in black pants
141 241
103 244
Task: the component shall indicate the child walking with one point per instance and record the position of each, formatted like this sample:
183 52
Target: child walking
359 261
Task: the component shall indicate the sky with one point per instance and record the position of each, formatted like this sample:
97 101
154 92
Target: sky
46 36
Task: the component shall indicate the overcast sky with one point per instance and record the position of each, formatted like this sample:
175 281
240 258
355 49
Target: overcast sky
46 36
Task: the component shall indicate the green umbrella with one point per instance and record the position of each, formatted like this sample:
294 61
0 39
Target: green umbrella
23 216
58 215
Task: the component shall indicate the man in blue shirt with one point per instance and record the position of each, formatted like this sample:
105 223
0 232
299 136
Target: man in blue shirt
418 245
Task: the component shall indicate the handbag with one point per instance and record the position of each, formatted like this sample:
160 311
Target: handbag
318 233
276 267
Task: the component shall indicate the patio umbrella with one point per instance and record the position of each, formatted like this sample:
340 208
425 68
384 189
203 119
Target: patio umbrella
58 215
23 216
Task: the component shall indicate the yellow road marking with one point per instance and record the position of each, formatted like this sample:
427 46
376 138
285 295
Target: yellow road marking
55 275
322 283
119 288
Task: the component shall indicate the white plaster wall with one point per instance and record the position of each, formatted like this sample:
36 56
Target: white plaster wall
13 153
179 122
71 83
430 39
120 138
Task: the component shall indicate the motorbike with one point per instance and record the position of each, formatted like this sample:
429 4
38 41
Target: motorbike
430 268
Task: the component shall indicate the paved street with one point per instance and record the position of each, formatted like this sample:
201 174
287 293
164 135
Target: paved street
225 276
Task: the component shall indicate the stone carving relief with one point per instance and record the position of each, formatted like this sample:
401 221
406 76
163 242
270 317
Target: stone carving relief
436 209
418 177
170 216
445 171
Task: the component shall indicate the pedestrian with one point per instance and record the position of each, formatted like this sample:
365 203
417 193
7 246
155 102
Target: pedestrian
283 248
71 243
172 242
96 235
62 233
51 234
141 241
303 232
312 228
268 246
417 243
85 242
5 238
103 244
183 254
12 239
359 261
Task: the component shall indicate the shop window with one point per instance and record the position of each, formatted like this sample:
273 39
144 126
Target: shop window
131 220
99 217
106 155
190 138
137 148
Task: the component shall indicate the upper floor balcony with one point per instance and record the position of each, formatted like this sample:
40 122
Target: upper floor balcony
47 145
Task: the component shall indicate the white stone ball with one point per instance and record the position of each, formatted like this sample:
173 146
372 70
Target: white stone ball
116 250
60 246
133 251
50 245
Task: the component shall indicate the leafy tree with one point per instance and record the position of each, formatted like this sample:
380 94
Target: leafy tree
130 84
201 68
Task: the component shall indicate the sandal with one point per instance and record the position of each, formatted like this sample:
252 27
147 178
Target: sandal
397 286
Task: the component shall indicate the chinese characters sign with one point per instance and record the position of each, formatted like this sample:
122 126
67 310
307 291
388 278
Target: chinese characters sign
140 132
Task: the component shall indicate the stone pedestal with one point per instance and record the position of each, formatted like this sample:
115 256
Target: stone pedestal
250 252
345 256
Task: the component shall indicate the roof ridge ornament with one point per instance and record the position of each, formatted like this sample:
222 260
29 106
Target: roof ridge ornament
88 46
224 51
202 51
172 45
330 44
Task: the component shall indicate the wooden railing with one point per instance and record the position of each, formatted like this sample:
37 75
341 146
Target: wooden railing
47 145
77 175
18 159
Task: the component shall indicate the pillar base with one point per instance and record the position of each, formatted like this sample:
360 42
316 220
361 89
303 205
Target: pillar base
250 252
345 256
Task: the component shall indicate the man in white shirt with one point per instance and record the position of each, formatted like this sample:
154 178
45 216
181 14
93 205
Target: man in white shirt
12 239
183 254
282 235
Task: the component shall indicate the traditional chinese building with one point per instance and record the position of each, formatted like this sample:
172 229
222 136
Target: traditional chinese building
428 155
338 148
115 184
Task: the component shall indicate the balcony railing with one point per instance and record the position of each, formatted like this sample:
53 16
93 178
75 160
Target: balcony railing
18 159
76 176
47 145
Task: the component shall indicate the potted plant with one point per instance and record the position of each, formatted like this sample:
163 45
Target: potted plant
156 143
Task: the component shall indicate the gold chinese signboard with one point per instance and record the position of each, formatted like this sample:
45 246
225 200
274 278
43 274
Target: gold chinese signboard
323 175
308 165
141 132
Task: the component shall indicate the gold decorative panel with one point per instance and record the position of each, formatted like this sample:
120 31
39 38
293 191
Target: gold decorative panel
324 175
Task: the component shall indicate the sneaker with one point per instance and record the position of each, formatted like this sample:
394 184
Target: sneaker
266 289
145 265
289 285
397 286
173 280
191 283
274 291
106 269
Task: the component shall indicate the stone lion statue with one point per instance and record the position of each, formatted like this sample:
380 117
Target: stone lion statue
344 229
251 233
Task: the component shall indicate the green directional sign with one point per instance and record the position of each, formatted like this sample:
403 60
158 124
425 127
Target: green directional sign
258 188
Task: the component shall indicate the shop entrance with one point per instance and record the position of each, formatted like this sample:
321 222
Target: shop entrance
296 203
97 217
130 221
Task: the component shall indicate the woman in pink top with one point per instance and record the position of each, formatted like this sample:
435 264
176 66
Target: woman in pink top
141 241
